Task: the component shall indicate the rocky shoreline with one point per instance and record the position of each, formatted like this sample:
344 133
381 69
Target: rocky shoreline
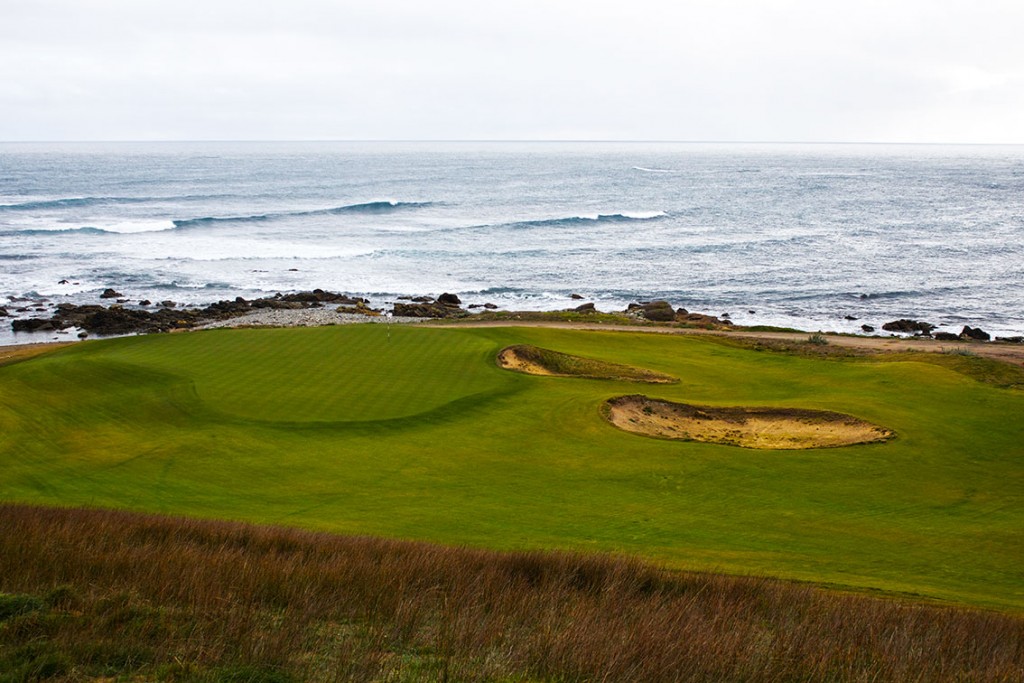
320 307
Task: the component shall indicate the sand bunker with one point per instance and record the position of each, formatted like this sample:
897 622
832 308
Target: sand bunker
534 360
767 428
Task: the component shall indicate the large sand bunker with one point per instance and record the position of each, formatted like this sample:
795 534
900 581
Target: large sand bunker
767 428
534 360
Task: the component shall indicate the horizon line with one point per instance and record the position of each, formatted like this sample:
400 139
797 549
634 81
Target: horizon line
507 141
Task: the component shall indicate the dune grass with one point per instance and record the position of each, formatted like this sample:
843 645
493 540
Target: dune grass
424 437
96 595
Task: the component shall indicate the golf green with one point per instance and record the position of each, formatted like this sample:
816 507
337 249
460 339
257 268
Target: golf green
418 433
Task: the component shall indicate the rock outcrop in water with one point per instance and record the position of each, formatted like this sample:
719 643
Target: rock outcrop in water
975 333
908 326
435 309
117 319
662 311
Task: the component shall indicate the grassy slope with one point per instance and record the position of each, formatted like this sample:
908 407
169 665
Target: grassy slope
424 437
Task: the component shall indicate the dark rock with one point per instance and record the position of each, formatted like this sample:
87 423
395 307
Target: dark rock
701 320
278 304
425 310
490 306
168 304
416 310
907 326
472 306
725 315
946 336
404 298
681 311
657 311
447 299
122 301
575 297
83 334
320 296
110 294
32 325
1011 340
293 270
849 317
423 299
867 328
751 312
63 282
975 333
585 308
359 309
226 309
3 313
23 309
145 302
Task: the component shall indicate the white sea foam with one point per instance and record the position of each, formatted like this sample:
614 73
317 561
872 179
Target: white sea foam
655 170
135 226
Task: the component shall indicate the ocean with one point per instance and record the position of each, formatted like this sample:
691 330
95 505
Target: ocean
794 235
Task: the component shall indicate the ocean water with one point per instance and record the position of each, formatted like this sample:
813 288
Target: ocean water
792 235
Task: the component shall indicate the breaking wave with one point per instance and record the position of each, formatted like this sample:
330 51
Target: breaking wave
72 202
365 208
655 170
121 228
586 219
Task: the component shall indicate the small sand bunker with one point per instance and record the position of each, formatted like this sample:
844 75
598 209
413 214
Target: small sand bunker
534 360
767 428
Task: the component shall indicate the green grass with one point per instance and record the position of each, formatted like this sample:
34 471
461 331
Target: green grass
424 437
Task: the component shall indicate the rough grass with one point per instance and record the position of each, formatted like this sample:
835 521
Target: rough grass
424 437
533 360
90 595
957 359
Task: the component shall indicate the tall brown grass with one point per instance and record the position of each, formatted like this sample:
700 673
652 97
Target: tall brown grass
94 593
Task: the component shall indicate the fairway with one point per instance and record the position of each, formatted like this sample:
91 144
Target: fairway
419 434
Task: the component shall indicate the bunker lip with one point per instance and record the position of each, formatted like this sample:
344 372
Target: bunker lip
533 360
754 427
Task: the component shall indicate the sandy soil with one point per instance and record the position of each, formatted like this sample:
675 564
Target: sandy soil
510 360
518 358
763 428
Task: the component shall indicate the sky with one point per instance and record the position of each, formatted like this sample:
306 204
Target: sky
915 71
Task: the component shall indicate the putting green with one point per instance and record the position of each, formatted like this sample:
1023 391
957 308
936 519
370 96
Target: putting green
424 436
275 375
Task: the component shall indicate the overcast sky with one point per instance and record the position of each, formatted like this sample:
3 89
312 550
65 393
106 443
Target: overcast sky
767 70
